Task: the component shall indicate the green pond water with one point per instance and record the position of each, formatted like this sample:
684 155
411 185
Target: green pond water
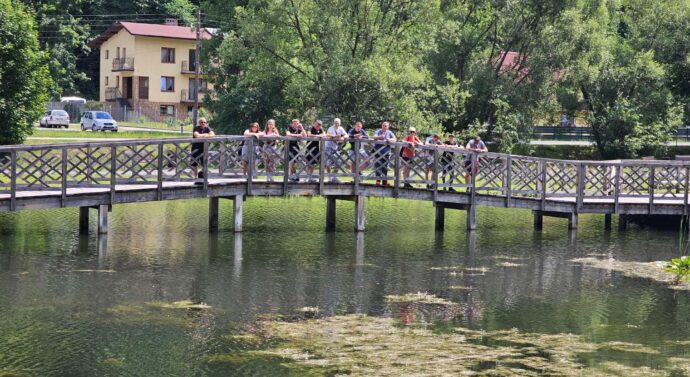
160 296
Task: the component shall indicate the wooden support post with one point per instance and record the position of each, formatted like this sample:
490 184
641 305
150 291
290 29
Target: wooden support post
213 213
538 220
440 217
607 221
360 215
83 220
472 215
330 213
622 222
103 218
572 221
238 208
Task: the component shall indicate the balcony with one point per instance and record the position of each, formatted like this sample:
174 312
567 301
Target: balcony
123 64
189 96
188 67
112 94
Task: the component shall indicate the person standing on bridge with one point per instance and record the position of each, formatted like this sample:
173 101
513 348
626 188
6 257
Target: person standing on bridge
357 133
313 148
477 146
433 140
294 130
270 148
407 153
334 149
382 152
201 131
254 131
447 162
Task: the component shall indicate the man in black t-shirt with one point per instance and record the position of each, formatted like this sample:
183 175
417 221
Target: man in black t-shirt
313 150
295 129
202 131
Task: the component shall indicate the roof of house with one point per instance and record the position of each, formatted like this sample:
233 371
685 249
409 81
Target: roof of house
149 30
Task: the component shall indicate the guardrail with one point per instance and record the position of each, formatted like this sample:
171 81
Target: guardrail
290 161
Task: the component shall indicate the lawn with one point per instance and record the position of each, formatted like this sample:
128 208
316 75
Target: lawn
56 135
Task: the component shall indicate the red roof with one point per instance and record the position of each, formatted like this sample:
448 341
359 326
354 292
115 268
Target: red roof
149 30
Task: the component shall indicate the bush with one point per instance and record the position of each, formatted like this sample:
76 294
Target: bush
680 267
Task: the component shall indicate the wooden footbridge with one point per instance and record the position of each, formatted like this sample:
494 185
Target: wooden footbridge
101 174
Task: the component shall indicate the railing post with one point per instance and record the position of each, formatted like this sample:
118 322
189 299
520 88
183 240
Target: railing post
474 161
356 171
685 192
250 168
509 179
159 172
435 173
13 180
651 189
322 164
89 170
113 172
617 188
580 187
542 180
396 167
204 161
286 163
63 187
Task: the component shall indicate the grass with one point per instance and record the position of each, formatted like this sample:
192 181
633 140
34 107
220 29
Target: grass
67 136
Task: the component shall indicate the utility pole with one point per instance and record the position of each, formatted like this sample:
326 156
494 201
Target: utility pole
197 70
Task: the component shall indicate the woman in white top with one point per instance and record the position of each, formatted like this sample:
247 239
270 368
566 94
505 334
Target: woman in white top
270 153
253 130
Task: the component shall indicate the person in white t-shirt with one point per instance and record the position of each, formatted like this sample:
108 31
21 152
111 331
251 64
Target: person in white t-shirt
335 137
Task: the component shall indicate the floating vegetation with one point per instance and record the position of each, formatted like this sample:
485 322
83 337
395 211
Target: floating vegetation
476 269
460 288
421 308
102 271
419 298
507 257
648 270
184 304
361 345
509 264
447 268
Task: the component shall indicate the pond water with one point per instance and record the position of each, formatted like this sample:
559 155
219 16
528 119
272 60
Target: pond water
160 296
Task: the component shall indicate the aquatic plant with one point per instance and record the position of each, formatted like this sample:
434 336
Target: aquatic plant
680 267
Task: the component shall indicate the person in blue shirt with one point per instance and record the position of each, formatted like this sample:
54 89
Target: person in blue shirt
355 133
382 152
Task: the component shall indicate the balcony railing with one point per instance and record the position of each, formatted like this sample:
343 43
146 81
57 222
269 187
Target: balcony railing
190 95
188 67
123 64
111 93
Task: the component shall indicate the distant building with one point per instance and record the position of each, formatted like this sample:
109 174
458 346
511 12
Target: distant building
149 69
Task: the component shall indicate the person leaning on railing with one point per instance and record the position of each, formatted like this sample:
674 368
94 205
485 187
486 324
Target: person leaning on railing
270 153
295 130
336 134
253 130
474 145
201 131
382 152
407 153
313 148
448 162
357 133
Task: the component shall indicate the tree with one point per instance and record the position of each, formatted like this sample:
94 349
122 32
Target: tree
24 78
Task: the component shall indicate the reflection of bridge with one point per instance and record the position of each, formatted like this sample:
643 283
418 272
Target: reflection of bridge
98 175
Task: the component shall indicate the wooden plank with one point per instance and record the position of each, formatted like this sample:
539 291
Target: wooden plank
685 191
204 161
651 190
509 179
580 191
13 180
542 181
286 165
159 178
358 145
251 162
617 180
113 172
322 165
396 166
435 174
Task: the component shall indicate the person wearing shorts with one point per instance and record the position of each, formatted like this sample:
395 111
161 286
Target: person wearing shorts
313 149
429 157
474 145
201 131
295 129
334 148
357 133
382 152
407 153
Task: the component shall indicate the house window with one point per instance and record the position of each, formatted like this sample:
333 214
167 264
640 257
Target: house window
117 53
167 55
167 84
106 80
107 54
167 110
124 52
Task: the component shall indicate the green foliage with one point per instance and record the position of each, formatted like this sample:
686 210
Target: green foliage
680 267
24 78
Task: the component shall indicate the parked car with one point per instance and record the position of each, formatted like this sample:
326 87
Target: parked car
55 118
98 121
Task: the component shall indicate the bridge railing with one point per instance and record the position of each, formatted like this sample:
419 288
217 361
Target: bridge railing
104 166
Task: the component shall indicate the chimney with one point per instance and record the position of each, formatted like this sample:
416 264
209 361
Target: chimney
171 21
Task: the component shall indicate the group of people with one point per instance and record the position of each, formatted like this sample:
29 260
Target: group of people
336 138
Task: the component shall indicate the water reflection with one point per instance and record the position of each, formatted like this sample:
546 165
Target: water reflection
503 275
